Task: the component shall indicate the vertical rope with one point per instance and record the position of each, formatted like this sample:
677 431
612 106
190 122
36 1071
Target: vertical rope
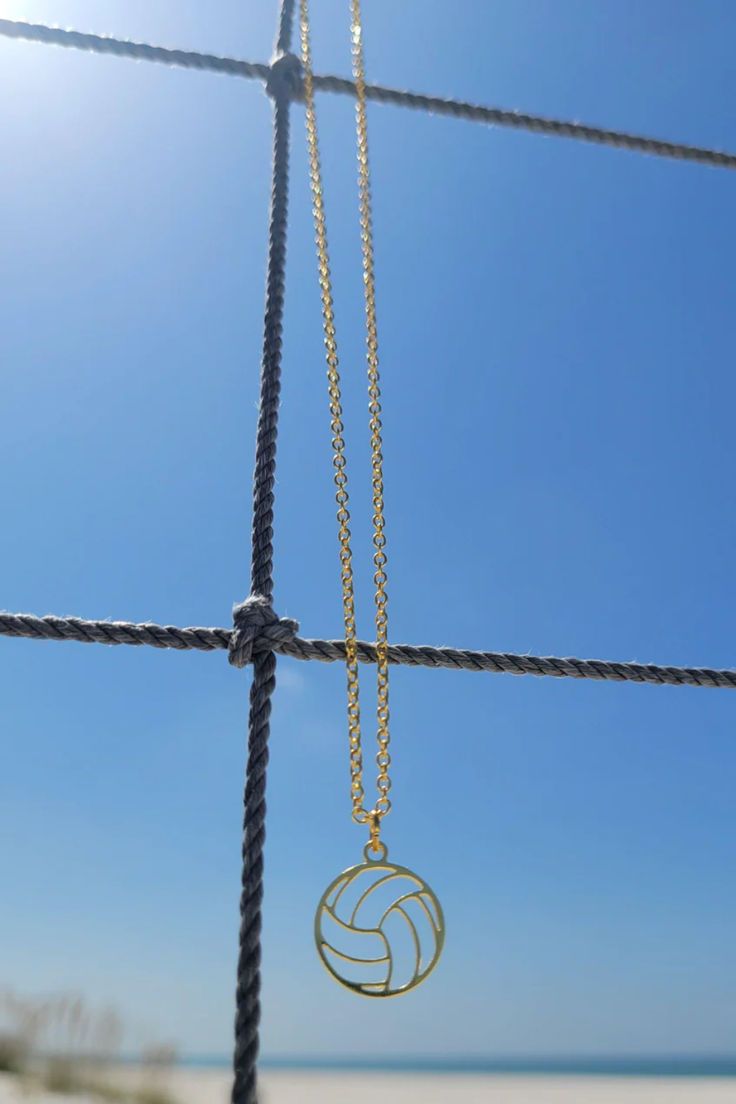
286 26
248 1004
268 411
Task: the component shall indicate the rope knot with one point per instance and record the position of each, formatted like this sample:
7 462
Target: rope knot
285 77
257 628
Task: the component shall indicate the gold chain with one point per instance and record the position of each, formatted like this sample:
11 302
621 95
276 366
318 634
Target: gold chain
383 758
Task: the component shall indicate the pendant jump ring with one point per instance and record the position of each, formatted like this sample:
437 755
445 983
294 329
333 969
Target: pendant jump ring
377 854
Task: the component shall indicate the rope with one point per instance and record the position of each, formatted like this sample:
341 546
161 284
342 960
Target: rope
537 124
27 626
286 26
257 629
438 105
138 51
255 613
270 633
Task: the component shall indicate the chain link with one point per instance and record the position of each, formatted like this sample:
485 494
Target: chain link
383 758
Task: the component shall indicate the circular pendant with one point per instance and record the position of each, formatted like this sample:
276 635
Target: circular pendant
379 928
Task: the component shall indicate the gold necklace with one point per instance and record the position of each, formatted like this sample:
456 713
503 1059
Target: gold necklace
361 912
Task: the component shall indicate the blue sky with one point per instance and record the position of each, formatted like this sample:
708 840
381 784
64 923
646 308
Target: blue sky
556 325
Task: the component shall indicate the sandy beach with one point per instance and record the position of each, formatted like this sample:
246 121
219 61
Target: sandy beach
324 1088
293 1087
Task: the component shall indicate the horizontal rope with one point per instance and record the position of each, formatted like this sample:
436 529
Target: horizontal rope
138 51
438 105
271 638
537 124
27 626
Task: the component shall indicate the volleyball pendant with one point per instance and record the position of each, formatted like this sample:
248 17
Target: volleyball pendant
379 928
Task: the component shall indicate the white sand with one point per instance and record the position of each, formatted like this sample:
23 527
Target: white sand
322 1088
213 1087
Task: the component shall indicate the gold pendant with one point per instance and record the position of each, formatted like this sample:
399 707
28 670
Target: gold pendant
379 928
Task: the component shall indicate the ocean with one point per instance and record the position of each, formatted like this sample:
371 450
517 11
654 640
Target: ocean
604 1066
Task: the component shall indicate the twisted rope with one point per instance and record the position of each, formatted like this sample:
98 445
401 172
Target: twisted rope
255 614
286 26
257 629
438 105
26 626
137 51
275 634
537 124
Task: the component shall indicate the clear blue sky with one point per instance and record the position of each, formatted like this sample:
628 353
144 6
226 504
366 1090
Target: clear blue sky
557 340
